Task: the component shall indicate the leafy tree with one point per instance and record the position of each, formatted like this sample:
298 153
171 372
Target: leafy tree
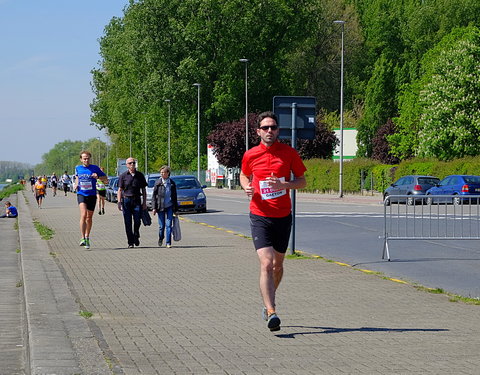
381 147
379 105
228 140
450 101
322 146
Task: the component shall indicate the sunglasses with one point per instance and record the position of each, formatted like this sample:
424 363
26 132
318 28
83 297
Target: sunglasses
132 162
272 127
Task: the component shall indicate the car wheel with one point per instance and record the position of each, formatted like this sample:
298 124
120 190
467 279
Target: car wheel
410 201
429 200
457 201
387 202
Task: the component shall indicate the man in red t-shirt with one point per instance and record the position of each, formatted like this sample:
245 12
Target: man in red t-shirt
266 178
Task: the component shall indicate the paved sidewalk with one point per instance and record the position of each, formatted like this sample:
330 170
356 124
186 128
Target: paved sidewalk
12 320
195 308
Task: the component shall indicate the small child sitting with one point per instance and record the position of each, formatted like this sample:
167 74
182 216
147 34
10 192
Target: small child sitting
10 211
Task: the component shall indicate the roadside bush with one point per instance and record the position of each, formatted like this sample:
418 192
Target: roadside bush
323 175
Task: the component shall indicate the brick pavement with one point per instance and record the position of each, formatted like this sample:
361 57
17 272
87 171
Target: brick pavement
195 309
12 342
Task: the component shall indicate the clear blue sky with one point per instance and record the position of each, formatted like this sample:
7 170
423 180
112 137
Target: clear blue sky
47 50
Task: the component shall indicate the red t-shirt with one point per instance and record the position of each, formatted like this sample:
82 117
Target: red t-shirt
260 162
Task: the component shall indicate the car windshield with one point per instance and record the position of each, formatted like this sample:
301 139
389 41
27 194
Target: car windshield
151 182
428 181
187 183
472 179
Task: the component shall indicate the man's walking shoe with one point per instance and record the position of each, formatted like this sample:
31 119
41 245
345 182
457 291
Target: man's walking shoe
168 246
87 243
160 242
82 242
273 322
137 241
130 246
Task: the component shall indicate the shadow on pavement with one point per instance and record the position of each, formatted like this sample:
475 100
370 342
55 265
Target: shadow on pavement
326 330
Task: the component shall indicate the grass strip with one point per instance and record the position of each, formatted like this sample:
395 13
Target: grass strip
45 232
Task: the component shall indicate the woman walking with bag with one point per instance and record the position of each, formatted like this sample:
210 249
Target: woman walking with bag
164 202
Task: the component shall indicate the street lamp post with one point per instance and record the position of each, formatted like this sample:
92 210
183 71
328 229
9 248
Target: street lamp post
198 129
340 188
169 114
129 122
146 155
246 102
99 160
107 157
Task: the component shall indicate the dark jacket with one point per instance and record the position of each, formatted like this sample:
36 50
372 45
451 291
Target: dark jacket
158 201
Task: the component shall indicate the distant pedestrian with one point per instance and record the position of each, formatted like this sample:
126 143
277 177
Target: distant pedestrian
101 194
32 183
40 191
10 211
54 183
266 178
132 199
164 202
86 176
66 182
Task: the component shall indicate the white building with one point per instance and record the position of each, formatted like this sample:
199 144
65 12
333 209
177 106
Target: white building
349 144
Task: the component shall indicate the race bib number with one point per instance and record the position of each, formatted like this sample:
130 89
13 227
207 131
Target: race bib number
86 185
268 192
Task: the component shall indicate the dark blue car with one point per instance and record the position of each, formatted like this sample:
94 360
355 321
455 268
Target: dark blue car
190 194
461 187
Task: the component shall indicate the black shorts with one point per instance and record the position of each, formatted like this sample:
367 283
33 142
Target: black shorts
271 231
54 184
102 193
89 200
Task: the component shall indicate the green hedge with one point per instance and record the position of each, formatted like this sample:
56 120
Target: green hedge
323 175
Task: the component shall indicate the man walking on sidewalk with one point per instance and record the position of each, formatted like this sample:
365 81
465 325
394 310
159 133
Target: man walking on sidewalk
132 199
86 176
266 178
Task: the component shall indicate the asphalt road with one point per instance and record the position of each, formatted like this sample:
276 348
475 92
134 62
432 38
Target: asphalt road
350 233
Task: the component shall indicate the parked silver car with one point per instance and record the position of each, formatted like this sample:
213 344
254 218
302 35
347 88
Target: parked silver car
411 186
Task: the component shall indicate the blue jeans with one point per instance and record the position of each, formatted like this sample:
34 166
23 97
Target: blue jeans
132 208
168 214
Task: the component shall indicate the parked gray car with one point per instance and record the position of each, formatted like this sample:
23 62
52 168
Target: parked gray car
411 186
190 194
112 189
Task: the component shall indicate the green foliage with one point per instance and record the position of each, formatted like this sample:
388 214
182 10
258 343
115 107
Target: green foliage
10 189
64 156
451 102
379 105
323 175
159 48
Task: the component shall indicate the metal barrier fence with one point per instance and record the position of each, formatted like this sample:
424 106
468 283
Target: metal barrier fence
430 217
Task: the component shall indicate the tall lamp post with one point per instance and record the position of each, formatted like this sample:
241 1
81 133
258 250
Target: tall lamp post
129 122
340 187
198 129
145 129
99 159
246 102
169 114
